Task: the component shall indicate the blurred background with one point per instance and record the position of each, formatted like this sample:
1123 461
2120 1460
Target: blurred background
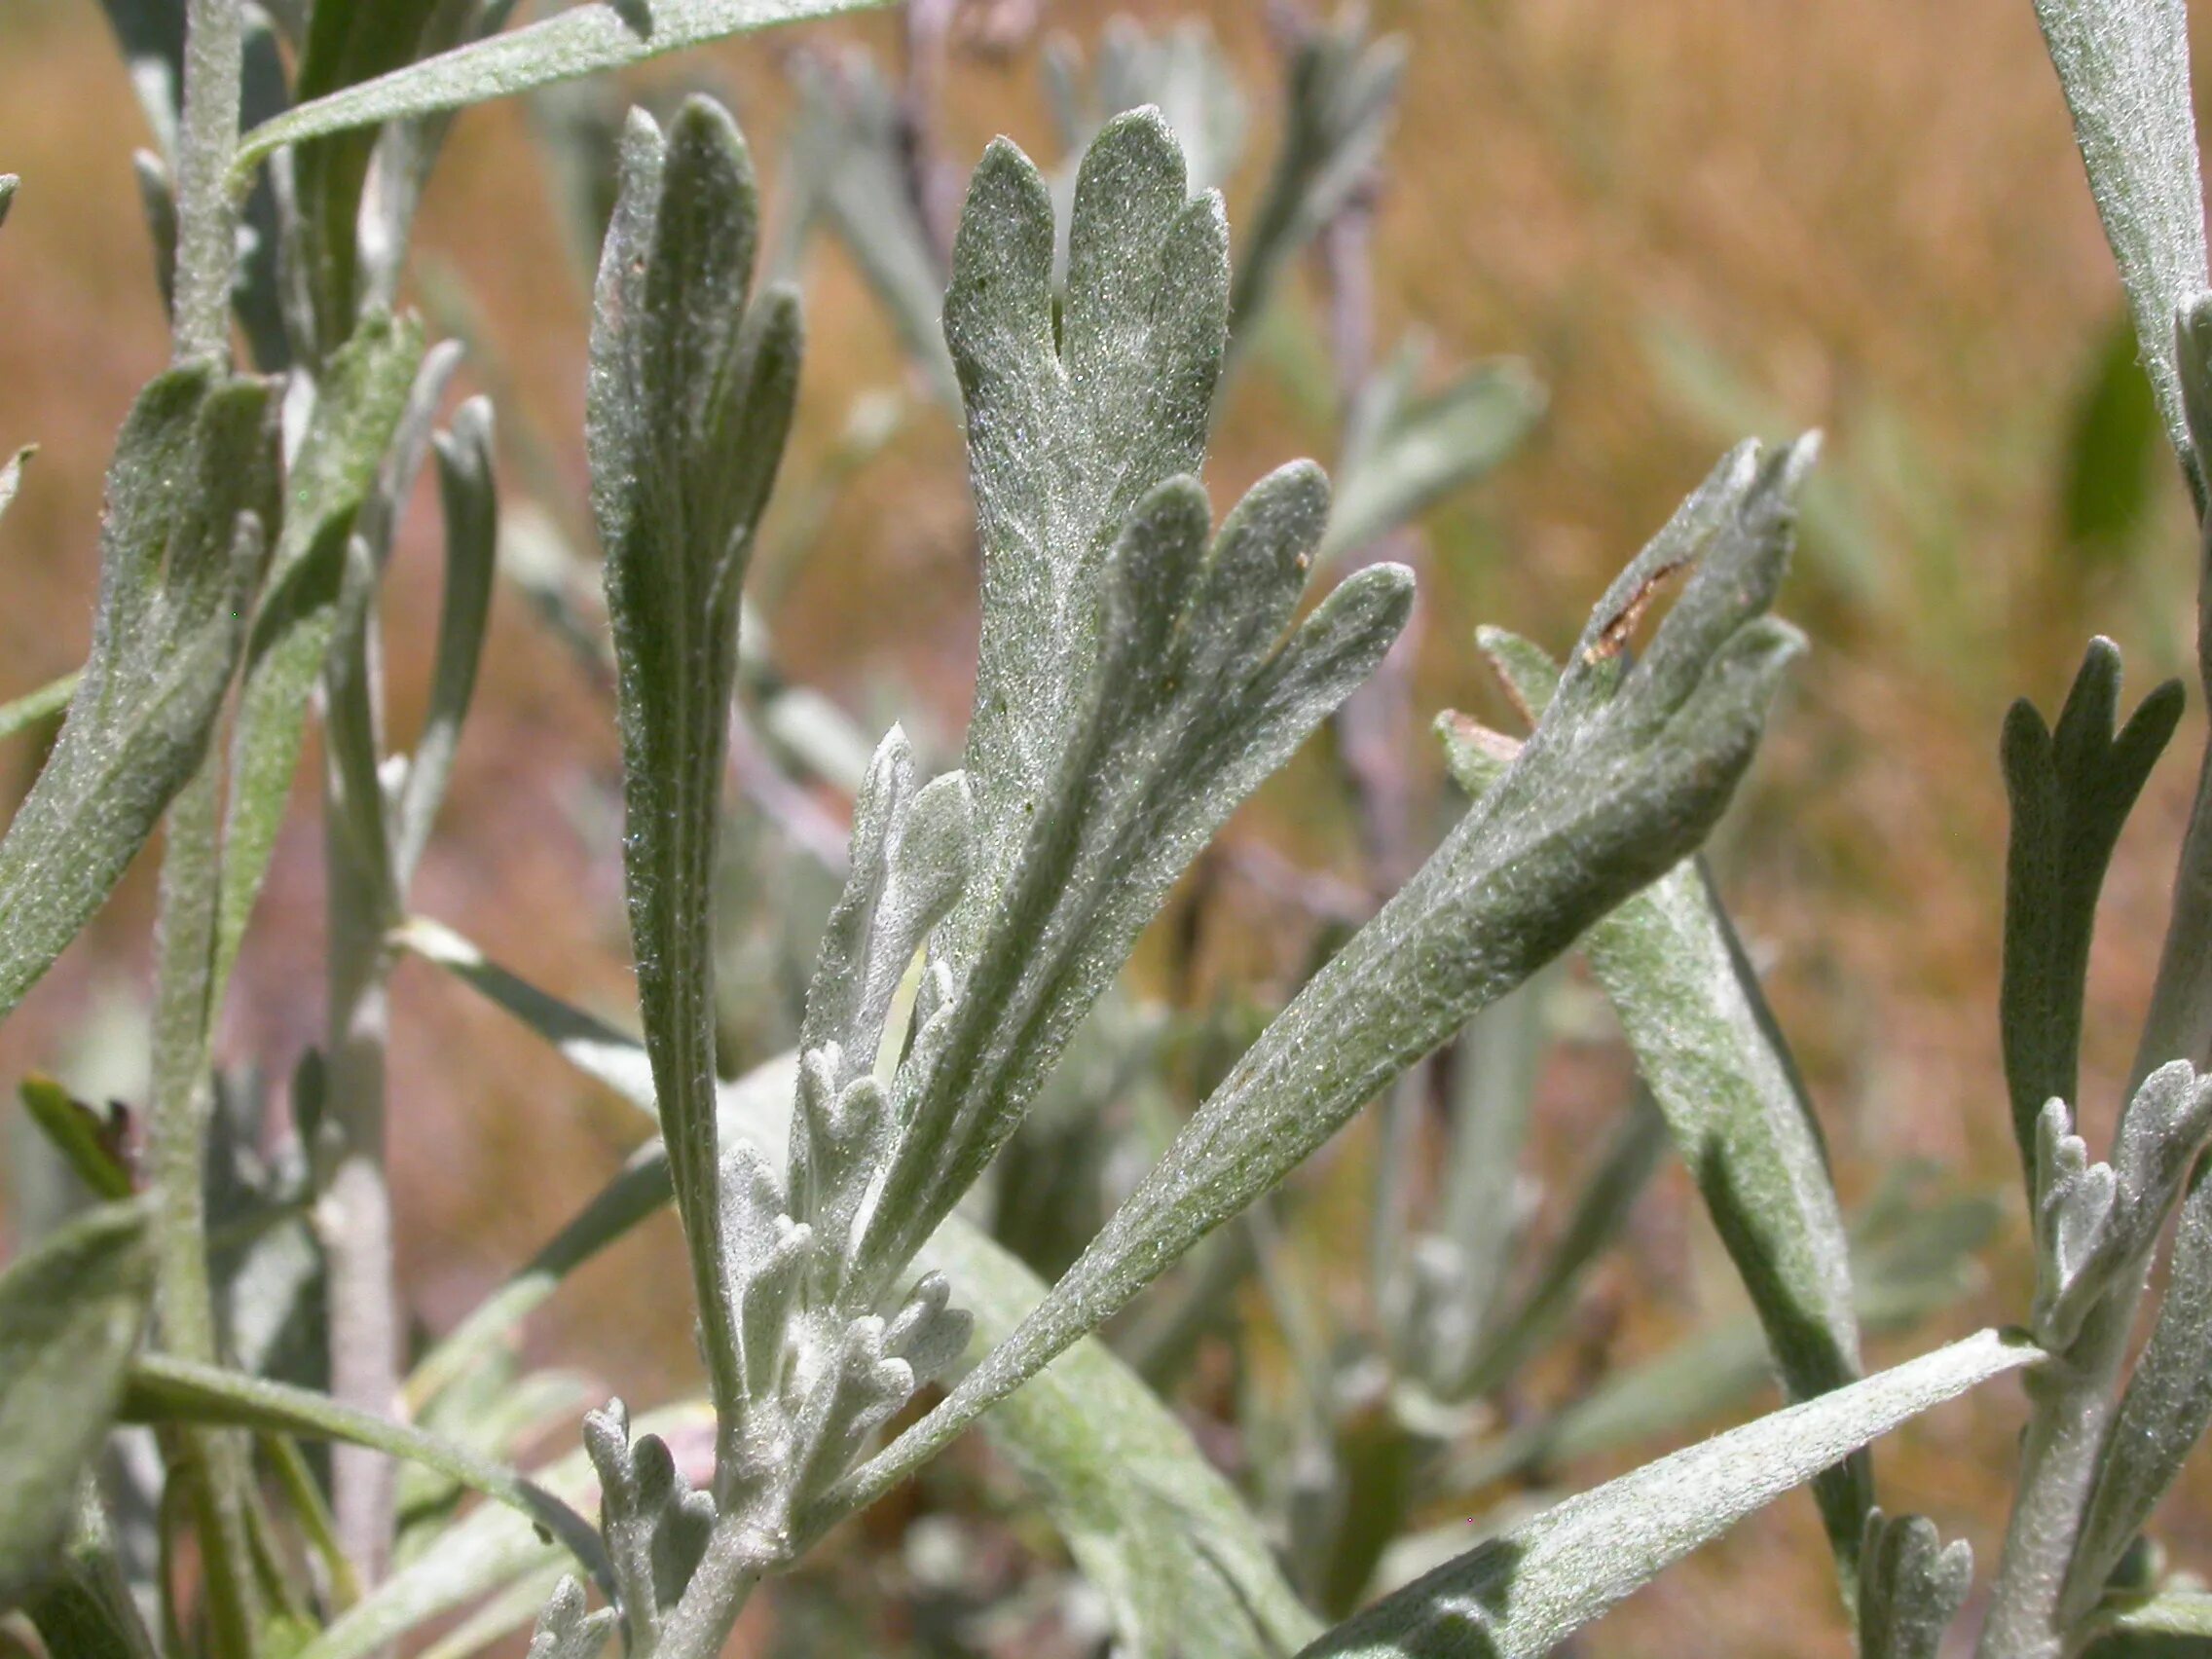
1688 222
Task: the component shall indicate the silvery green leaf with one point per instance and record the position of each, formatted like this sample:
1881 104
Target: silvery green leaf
2071 792
1153 1526
2167 1406
489 1549
1518 1595
1340 102
162 1390
1629 769
582 40
157 200
2175 1625
34 708
1709 1050
1196 696
565 1631
191 488
71 1309
1911 1585
471 506
1131 688
1180 69
1406 451
2097 1223
1163 1535
359 403
1909 1259
1075 414
2124 67
657 1527
689 400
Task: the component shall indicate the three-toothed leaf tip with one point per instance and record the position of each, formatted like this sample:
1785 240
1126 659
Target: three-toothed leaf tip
1911 1586
566 1630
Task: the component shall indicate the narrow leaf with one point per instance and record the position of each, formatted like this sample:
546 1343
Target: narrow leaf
358 408
71 1309
191 488
582 40
1628 771
88 1143
1520 1593
2071 792
36 707
2124 67
162 1390
2166 1410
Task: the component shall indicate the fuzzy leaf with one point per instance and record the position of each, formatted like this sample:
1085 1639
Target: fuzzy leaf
1135 683
1405 452
565 1631
2167 1407
1709 1050
2071 792
582 40
1153 1526
1195 698
488 1550
1518 1595
162 1390
1628 771
2124 67
2176 1625
358 408
690 398
1708 1047
71 1308
1160 1531
1911 1585
189 495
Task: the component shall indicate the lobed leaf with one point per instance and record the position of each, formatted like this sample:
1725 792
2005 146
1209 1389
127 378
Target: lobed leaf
583 40
1518 1595
2071 792
1708 1047
189 496
2165 1414
1629 769
1163 1536
71 1310
689 400
2123 65
1911 1586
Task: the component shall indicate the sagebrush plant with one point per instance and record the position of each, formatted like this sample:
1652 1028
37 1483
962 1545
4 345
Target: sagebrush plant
863 1294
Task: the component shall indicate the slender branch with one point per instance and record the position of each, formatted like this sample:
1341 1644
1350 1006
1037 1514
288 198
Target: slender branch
356 1212
210 1466
206 242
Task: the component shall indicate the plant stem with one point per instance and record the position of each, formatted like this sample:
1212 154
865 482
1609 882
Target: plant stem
211 1464
206 242
2073 1403
698 1626
356 1211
